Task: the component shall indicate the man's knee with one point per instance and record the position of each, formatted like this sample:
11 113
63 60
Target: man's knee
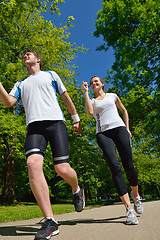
34 161
62 169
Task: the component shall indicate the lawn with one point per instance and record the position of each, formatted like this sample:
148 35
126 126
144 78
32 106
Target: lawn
26 211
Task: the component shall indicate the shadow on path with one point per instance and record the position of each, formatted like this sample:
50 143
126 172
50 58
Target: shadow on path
88 221
20 230
30 230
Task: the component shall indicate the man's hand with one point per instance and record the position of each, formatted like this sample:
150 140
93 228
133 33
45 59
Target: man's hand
77 128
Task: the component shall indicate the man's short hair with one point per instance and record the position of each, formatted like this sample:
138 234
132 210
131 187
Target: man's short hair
36 54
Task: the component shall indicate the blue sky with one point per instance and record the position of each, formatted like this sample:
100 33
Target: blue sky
85 13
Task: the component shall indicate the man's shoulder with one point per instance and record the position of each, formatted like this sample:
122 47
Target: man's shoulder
54 75
19 82
50 72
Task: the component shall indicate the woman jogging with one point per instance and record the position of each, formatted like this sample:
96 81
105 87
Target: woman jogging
112 131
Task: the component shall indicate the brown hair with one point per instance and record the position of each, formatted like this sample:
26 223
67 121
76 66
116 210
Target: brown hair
99 79
36 54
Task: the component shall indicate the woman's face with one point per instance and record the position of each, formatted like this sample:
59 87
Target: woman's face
96 84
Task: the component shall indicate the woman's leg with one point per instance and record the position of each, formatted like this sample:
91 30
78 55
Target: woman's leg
107 146
123 144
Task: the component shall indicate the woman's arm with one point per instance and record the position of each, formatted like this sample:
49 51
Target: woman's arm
125 116
88 105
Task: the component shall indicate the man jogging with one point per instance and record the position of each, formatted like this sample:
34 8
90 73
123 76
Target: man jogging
45 123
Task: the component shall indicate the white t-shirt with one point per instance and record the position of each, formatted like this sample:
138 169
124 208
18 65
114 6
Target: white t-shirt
105 113
38 95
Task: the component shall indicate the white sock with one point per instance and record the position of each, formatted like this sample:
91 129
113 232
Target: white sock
76 191
48 218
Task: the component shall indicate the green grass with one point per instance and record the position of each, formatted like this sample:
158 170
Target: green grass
26 211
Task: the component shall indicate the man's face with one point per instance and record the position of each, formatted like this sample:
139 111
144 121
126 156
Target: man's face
29 59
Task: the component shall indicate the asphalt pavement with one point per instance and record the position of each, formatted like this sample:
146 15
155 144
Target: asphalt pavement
103 223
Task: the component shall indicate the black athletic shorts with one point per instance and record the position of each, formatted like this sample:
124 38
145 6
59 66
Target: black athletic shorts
41 132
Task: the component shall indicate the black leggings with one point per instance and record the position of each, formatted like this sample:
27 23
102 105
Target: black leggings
120 138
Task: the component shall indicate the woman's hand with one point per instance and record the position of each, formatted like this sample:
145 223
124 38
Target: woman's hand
130 134
85 86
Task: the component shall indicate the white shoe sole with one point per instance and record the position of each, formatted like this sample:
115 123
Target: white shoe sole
131 223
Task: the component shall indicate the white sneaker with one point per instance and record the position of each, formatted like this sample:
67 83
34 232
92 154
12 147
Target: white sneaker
137 204
131 217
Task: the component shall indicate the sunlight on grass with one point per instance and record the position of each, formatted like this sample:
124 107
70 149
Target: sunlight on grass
23 212
26 211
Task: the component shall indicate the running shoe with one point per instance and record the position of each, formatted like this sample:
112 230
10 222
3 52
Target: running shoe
131 217
78 201
137 204
49 228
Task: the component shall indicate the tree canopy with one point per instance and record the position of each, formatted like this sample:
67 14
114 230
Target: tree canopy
132 29
22 27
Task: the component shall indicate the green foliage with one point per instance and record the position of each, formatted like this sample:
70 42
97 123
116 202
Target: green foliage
29 29
131 28
12 137
23 27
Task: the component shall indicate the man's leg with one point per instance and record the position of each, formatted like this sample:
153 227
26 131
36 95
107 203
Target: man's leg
35 146
68 174
70 177
38 184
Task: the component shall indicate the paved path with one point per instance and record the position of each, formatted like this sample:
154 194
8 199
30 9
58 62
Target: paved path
104 223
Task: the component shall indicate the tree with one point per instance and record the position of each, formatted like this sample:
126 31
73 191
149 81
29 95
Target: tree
12 133
132 29
23 27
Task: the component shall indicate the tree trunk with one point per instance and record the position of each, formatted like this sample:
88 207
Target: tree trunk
157 190
8 181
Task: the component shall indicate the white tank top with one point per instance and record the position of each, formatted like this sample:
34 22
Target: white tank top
105 113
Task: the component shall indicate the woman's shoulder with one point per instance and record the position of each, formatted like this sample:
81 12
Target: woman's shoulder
92 100
111 94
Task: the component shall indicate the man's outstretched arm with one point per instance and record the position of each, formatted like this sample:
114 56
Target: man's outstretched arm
7 100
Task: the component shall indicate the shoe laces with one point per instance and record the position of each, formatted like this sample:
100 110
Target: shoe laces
77 197
138 201
130 211
45 223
